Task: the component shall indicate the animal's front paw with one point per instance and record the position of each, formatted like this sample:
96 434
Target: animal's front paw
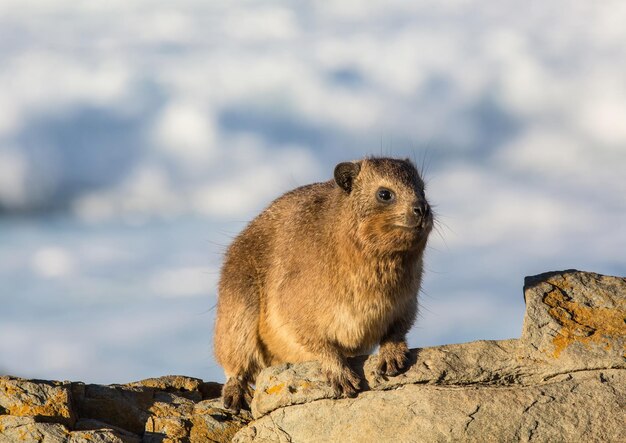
392 358
344 381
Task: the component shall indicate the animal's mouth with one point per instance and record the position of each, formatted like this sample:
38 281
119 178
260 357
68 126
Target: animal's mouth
407 227
415 227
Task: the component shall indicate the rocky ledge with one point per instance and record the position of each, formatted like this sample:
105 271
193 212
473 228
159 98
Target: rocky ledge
563 380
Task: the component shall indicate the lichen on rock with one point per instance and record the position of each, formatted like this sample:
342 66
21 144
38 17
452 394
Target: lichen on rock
165 409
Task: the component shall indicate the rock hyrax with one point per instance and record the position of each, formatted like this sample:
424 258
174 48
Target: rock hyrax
327 271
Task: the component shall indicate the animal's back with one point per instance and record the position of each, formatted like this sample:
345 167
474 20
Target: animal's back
256 255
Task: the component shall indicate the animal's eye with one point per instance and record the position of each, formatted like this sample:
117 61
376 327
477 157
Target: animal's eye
385 195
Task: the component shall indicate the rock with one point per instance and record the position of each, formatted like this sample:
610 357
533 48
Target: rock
166 409
480 362
45 400
192 388
122 406
211 423
563 380
584 407
573 316
26 429
101 436
87 424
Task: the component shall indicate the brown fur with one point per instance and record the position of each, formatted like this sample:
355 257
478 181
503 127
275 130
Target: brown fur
327 271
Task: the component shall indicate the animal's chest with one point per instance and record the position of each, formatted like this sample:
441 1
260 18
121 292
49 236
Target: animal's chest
369 302
360 324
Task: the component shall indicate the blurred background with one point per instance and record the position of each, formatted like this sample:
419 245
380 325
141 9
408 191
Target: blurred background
137 138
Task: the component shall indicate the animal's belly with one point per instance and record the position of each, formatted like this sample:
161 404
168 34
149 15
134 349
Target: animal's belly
281 341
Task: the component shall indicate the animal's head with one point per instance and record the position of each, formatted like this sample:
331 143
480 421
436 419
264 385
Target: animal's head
389 209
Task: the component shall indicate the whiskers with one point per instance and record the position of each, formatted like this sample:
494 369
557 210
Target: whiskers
439 226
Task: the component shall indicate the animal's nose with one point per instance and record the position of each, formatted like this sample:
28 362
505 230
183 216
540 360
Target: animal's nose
421 209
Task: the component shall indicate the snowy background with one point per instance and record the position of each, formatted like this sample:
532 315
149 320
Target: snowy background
136 138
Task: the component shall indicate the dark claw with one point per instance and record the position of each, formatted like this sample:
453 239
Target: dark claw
391 362
345 384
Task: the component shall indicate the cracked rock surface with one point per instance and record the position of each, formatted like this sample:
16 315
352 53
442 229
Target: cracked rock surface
582 407
563 380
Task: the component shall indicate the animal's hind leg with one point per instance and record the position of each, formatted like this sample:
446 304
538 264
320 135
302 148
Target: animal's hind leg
237 393
237 347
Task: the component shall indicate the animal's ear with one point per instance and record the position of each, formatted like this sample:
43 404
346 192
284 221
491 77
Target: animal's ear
345 173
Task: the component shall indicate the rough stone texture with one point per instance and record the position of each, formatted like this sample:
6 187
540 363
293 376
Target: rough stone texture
166 409
27 429
45 400
575 315
191 388
582 408
563 380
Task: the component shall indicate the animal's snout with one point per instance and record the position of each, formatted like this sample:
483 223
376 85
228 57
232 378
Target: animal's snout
421 209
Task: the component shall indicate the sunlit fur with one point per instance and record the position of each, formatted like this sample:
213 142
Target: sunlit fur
324 273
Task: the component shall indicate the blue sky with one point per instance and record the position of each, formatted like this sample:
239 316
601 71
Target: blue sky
137 138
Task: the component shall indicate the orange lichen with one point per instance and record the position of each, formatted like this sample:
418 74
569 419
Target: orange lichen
56 405
275 389
9 389
582 324
305 385
201 430
22 404
162 409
